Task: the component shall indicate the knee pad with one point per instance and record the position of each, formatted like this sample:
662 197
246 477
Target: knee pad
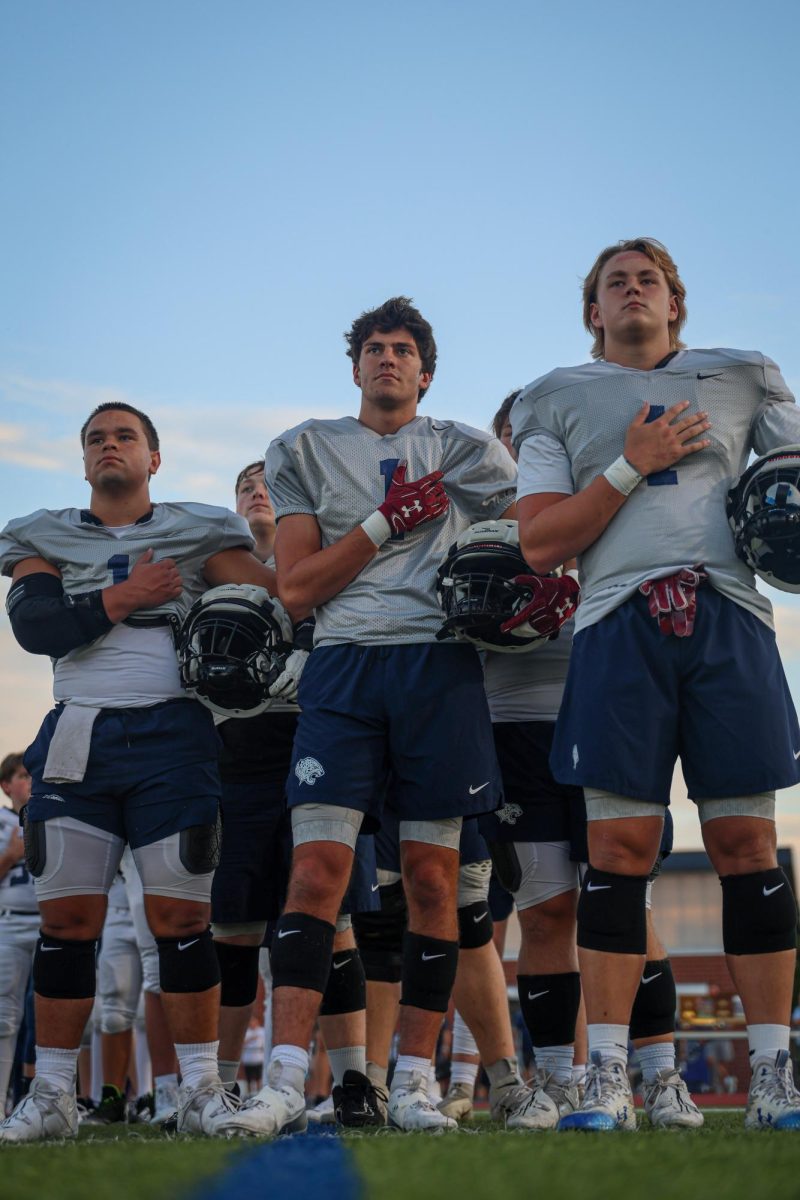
199 847
115 1020
429 971
759 913
63 969
238 968
549 1005
611 913
346 990
475 925
188 963
380 936
654 1005
151 972
301 952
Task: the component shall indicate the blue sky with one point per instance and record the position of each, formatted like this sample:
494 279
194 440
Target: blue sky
198 198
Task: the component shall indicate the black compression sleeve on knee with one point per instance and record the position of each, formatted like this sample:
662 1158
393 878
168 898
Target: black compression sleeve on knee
380 936
301 952
188 963
475 925
549 1005
64 969
654 1005
612 914
759 913
238 968
346 990
429 971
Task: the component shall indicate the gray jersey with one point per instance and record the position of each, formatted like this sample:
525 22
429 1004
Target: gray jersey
16 886
338 471
528 686
575 420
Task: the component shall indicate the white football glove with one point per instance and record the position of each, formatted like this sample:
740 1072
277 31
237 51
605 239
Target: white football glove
286 685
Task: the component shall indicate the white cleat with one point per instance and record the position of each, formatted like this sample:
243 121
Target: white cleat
209 1109
458 1103
774 1101
608 1101
322 1113
277 1108
519 1107
166 1103
46 1112
565 1096
411 1110
668 1104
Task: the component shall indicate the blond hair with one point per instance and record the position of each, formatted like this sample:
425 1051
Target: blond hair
660 256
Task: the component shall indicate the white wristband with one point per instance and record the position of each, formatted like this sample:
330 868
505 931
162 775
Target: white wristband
622 476
376 527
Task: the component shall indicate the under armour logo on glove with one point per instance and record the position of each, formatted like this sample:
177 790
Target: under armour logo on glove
545 605
410 504
673 599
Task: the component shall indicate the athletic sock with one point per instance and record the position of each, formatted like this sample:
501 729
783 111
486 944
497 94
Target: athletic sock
57 1066
464 1073
609 1041
197 1060
293 1061
228 1071
658 1056
347 1058
766 1041
555 1061
406 1066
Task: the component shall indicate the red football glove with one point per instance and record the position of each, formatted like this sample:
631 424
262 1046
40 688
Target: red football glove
673 599
410 504
552 602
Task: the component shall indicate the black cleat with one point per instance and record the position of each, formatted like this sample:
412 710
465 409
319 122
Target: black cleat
112 1109
358 1103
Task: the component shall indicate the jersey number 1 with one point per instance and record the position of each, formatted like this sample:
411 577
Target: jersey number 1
659 478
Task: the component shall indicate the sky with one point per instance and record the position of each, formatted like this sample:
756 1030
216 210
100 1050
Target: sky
198 198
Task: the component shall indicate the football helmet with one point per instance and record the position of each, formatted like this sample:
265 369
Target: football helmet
764 514
228 646
476 590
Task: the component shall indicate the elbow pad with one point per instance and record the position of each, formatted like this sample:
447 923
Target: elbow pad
47 621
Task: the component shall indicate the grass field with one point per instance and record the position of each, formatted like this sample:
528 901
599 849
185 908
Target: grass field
483 1164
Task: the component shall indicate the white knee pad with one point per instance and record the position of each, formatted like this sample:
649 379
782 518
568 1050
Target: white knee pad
163 870
473 882
78 859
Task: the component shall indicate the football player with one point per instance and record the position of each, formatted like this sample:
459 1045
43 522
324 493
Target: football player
125 756
19 915
626 463
366 508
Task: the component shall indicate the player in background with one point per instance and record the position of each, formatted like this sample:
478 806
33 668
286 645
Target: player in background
626 462
366 508
125 757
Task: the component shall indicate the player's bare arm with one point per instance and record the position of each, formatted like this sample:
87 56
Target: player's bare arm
238 565
149 584
309 575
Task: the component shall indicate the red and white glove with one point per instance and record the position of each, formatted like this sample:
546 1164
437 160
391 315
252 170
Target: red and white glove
407 505
673 599
552 602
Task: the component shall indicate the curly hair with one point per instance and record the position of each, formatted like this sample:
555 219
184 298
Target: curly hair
397 313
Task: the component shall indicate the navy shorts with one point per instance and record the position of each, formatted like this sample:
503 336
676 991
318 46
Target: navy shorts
636 700
537 808
151 772
418 710
251 879
363 894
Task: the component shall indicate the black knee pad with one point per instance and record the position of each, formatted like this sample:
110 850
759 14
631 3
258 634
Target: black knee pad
612 914
199 847
475 925
549 1005
346 990
188 963
64 969
653 1012
505 861
429 971
301 952
238 969
380 936
759 913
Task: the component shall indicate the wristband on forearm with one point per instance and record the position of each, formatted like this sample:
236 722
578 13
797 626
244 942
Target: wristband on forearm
622 476
376 527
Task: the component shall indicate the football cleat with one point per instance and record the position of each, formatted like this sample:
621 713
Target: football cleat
46 1112
358 1104
165 1105
668 1104
608 1101
209 1109
519 1107
774 1101
458 1102
322 1113
276 1108
566 1096
112 1109
411 1110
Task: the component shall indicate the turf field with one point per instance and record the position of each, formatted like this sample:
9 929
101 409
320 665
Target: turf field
719 1161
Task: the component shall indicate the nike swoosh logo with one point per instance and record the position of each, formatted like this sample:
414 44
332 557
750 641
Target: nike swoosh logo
473 791
186 945
709 374
482 917
536 995
428 957
338 966
797 753
767 891
44 949
650 978
287 932
597 887
375 887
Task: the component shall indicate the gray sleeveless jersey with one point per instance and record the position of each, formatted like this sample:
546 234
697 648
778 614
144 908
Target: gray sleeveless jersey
578 417
338 471
16 886
528 686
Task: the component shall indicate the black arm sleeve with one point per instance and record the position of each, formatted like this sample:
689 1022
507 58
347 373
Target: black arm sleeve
46 621
304 634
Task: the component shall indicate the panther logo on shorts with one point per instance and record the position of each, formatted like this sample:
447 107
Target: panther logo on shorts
308 770
509 814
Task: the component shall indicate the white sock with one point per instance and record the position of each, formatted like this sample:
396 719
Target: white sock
766 1041
555 1061
347 1058
609 1041
377 1075
406 1066
196 1061
228 1070
464 1073
57 1066
293 1061
579 1074
463 1041
434 1090
658 1056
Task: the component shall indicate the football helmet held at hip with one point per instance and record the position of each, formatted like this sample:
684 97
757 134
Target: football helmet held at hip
764 513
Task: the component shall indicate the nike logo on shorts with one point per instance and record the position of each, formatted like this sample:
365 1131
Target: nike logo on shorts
482 917
768 891
186 945
473 791
428 957
375 887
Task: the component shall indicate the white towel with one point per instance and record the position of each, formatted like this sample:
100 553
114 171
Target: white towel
69 749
